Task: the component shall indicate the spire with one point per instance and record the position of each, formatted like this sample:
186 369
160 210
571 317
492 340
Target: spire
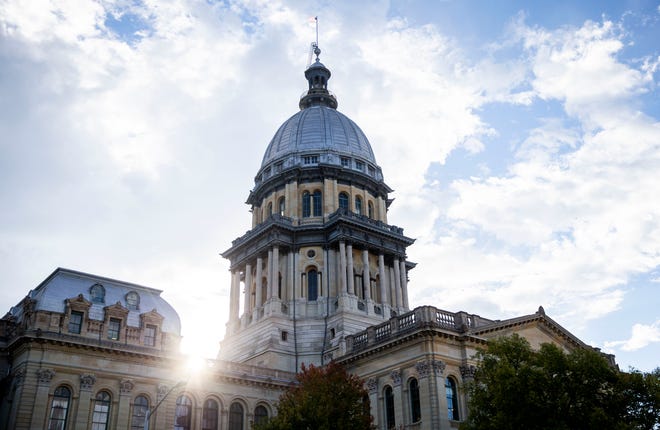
317 76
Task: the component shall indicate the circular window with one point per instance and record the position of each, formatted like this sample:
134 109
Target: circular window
311 253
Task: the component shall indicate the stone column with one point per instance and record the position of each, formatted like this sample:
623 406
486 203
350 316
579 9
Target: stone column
342 267
397 283
392 285
247 304
291 277
383 282
44 376
404 284
269 275
349 269
258 287
275 275
366 275
296 275
234 296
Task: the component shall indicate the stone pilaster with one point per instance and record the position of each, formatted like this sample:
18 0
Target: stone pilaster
44 376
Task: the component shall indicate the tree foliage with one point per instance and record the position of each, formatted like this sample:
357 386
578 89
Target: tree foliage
324 398
516 387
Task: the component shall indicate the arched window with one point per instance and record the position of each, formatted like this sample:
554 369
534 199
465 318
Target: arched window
306 205
317 203
260 414
415 408
236 416
343 201
370 208
210 415
358 205
390 420
101 413
452 398
269 209
140 408
282 206
312 285
182 413
59 409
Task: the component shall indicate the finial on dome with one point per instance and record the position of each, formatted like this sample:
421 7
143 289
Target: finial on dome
317 76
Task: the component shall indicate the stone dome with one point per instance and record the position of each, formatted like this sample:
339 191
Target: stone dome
319 130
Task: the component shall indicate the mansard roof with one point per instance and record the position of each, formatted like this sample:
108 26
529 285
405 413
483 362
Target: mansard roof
63 284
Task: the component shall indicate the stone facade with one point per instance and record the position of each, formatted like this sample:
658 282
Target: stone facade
320 276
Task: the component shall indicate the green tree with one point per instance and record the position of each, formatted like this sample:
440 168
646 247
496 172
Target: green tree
642 391
516 387
323 398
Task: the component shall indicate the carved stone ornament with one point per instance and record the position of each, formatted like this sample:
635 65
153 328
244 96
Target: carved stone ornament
438 366
87 381
396 376
423 368
126 386
19 375
163 390
45 375
372 385
468 372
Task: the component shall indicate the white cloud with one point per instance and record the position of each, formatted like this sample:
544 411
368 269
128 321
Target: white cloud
641 336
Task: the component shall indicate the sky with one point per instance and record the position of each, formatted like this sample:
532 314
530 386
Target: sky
522 140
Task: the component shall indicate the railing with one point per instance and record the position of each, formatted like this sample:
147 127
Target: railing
277 219
419 318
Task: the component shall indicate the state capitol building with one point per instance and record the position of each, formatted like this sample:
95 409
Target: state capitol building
320 276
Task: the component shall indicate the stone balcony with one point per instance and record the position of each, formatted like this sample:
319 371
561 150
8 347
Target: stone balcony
423 317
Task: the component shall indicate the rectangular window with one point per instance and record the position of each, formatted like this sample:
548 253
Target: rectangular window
75 322
114 328
150 335
372 171
359 165
310 159
345 162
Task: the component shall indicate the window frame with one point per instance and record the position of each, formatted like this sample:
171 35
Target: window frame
210 420
72 323
312 284
60 421
415 404
451 392
390 413
358 205
101 410
260 418
183 404
139 412
344 201
150 329
236 412
114 329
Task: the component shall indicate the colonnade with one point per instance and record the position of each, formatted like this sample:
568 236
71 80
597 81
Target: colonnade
276 277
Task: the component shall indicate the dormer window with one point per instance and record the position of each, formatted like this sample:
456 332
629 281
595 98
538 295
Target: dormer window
310 159
75 322
133 301
97 291
114 328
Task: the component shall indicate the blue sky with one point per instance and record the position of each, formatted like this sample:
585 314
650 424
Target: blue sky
522 140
